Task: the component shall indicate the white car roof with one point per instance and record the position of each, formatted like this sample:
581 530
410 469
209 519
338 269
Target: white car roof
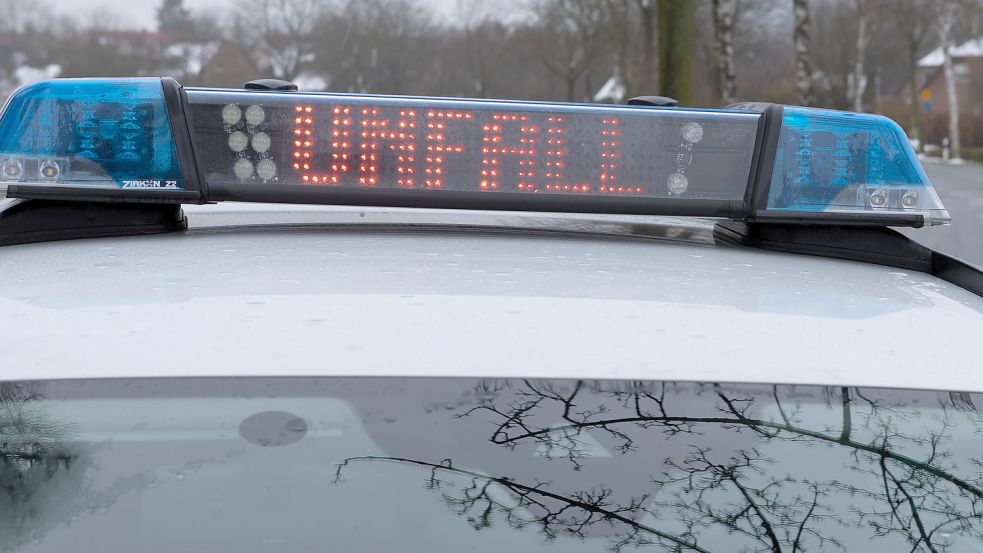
388 293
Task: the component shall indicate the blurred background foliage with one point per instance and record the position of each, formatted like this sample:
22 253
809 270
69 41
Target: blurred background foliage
912 60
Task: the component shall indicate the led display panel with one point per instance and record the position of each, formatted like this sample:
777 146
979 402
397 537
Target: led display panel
264 141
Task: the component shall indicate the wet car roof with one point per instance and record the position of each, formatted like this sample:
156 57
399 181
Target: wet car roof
266 290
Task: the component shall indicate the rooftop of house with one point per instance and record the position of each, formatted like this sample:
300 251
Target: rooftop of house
969 49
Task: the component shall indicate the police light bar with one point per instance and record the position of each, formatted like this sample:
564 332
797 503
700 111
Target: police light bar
151 140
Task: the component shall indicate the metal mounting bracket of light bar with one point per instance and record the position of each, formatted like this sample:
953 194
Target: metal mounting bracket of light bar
30 221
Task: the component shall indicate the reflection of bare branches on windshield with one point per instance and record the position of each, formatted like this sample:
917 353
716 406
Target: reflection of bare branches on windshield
737 495
39 476
920 490
514 427
916 505
535 505
45 469
28 436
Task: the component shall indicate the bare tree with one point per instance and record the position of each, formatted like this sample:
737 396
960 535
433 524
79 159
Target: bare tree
648 73
948 16
568 37
618 34
803 54
388 45
17 15
485 40
631 31
282 32
173 17
723 33
915 21
859 78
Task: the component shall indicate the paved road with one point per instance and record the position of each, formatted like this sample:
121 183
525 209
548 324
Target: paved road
961 189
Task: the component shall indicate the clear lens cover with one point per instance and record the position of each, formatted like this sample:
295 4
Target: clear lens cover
829 161
104 133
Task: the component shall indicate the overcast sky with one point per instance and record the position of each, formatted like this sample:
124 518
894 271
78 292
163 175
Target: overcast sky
142 13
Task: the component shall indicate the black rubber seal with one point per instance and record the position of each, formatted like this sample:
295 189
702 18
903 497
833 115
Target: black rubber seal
111 195
879 245
958 272
29 221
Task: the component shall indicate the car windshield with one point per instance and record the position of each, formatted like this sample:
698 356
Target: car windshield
428 464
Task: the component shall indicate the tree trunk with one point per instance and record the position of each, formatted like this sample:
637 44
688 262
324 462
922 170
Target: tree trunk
916 104
947 19
803 54
723 29
676 33
863 39
619 18
647 80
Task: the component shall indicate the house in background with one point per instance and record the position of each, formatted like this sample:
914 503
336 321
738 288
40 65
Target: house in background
228 66
967 64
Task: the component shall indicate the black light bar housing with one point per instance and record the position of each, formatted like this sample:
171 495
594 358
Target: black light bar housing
154 141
